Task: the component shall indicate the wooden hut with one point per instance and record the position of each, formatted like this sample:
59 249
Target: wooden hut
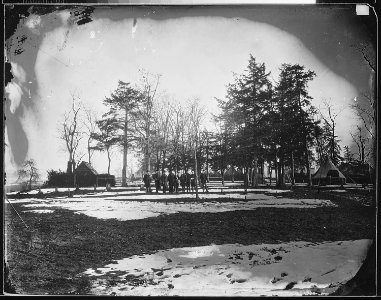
85 175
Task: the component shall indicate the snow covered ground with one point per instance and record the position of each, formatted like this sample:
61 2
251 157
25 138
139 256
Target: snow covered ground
135 205
289 269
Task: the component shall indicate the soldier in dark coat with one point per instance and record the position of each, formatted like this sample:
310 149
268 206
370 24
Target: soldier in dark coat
188 181
171 181
164 182
193 182
203 182
157 182
147 181
183 180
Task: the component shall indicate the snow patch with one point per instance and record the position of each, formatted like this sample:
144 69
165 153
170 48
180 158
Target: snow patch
40 211
119 207
288 269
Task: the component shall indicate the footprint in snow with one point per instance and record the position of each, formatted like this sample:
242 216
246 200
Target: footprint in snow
290 285
276 279
241 280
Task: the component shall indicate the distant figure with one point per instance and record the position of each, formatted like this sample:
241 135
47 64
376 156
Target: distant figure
193 183
183 180
164 182
203 182
171 181
177 183
188 182
147 181
157 182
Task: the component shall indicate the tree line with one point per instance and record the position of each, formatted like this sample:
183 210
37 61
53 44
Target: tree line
261 122
162 132
273 122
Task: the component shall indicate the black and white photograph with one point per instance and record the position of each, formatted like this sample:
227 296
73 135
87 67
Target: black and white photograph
190 150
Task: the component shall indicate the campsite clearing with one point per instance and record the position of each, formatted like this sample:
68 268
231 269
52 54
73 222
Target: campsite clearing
64 242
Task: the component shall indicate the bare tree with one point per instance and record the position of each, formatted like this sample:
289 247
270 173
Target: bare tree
70 132
149 84
106 137
366 112
161 127
331 123
361 142
368 54
90 126
177 129
196 115
29 173
366 107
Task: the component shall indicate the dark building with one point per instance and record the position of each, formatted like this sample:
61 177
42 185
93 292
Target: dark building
86 176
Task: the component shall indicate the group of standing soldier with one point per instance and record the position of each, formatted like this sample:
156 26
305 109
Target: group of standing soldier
171 182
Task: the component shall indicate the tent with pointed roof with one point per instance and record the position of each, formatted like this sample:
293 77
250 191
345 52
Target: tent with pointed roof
328 173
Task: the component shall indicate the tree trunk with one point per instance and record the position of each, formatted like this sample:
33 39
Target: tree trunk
232 174
223 176
70 168
89 150
333 145
292 169
305 146
157 161
207 158
125 141
276 170
254 182
270 173
281 170
246 178
163 164
362 153
148 157
109 161
195 173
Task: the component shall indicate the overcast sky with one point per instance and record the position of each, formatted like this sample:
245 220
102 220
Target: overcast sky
196 51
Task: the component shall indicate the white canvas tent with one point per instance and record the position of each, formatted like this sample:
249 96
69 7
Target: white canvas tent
328 173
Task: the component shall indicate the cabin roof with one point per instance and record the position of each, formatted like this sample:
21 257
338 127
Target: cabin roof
85 166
